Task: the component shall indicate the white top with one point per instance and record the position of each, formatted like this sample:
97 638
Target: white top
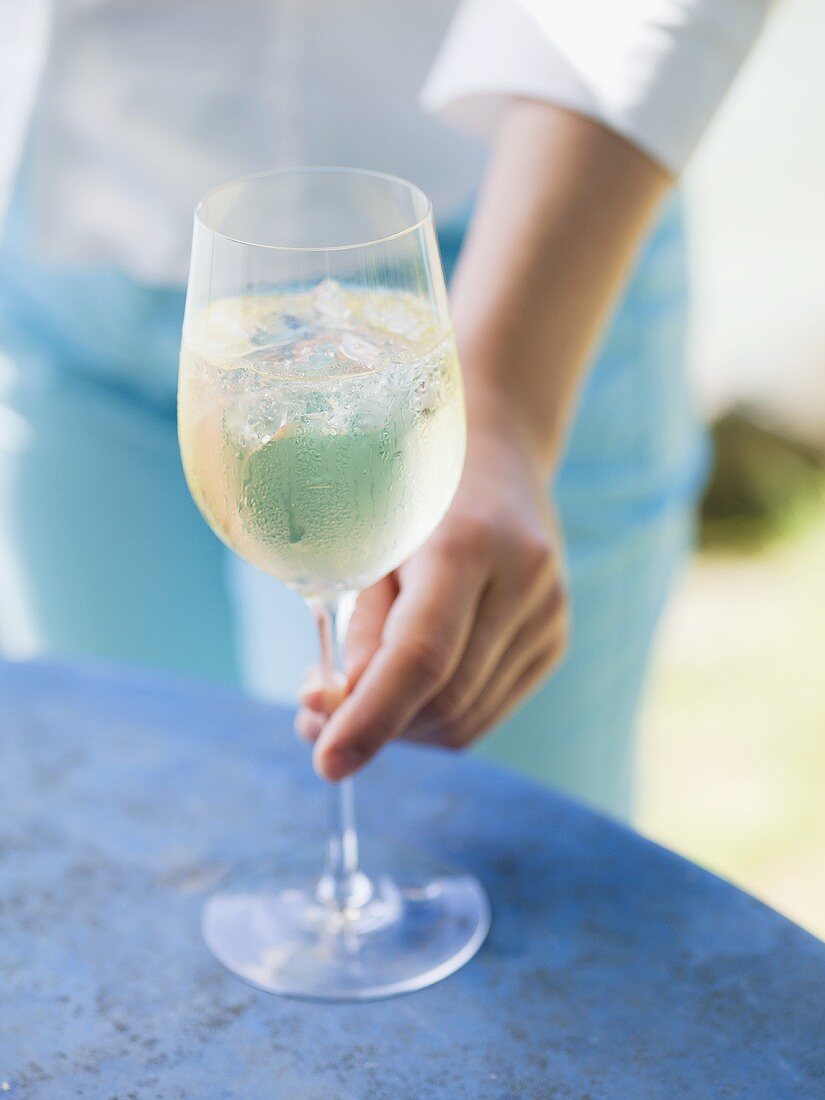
131 109
653 70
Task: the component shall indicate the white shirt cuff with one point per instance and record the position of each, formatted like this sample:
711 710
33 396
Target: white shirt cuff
652 70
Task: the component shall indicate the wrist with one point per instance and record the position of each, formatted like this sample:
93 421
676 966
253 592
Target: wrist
497 423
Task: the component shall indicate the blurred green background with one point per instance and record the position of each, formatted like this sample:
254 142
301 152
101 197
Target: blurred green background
733 740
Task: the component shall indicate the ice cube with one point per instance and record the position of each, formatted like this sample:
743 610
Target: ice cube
331 301
359 350
399 314
314 355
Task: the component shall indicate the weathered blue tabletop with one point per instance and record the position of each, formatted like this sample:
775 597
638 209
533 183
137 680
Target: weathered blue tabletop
613 968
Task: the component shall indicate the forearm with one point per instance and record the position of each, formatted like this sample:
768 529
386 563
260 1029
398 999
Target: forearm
564 206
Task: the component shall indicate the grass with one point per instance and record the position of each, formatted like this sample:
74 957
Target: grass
733 741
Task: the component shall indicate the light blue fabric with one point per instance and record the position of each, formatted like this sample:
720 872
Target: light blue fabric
627 490
103 552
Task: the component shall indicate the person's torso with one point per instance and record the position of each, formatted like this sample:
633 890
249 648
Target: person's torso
143 105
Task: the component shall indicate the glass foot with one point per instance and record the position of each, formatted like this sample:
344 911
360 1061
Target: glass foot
418 920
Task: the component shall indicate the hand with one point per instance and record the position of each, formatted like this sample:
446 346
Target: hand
446 646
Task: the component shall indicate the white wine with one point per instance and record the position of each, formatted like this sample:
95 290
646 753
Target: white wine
322 432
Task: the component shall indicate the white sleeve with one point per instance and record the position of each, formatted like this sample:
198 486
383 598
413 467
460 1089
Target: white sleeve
24 32
652 70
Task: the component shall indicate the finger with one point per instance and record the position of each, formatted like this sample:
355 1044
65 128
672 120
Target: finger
309 724
517 693
422 642
506 624
490 712
363 638
367 624
540 644
319 695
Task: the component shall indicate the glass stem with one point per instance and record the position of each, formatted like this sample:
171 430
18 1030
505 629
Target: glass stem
343 885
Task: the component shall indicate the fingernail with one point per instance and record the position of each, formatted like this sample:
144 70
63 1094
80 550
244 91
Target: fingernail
335 764
308 725
308 695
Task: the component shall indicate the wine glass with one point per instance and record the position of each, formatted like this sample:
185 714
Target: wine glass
322 428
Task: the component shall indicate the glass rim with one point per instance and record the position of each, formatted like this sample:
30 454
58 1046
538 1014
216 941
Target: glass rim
322 169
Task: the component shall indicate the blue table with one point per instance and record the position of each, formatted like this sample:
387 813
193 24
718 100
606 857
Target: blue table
613 968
